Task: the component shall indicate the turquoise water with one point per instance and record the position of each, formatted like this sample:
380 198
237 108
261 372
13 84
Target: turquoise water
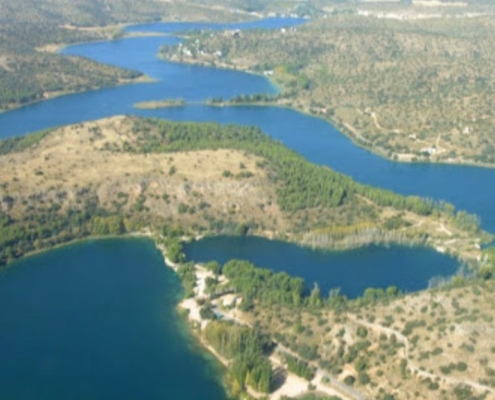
96 320
410 269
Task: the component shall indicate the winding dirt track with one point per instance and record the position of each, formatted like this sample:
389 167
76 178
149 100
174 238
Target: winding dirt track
414 369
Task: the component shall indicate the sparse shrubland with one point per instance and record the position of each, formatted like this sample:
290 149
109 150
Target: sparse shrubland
409 90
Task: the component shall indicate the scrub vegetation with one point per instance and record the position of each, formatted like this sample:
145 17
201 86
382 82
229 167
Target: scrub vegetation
31 32
29 73
384 344
416 346
411 90
123 174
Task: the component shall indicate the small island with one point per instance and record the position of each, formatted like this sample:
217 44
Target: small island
153 105
411 81
407 89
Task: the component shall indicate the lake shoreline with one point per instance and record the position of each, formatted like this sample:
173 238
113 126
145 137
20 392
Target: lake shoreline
338 125
53 95
293 385
441 246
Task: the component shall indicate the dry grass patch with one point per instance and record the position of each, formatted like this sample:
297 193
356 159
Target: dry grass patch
76 157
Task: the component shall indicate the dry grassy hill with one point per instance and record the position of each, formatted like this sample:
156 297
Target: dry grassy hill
122 174
79 159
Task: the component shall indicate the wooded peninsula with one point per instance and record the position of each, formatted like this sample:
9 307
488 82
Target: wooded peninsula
198 177
175 180
384 74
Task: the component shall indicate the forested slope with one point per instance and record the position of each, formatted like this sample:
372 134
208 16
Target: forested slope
122 174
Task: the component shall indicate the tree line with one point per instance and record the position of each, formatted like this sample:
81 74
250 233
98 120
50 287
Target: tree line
299 184
246 349
47 228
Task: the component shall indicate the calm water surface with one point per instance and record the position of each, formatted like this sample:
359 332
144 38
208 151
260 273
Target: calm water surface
96 320
468 188
410 269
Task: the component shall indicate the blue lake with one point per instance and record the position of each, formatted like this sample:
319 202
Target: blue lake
466 187
97 320
410 269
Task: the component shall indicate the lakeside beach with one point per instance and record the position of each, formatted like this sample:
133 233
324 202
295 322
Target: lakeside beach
292 385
